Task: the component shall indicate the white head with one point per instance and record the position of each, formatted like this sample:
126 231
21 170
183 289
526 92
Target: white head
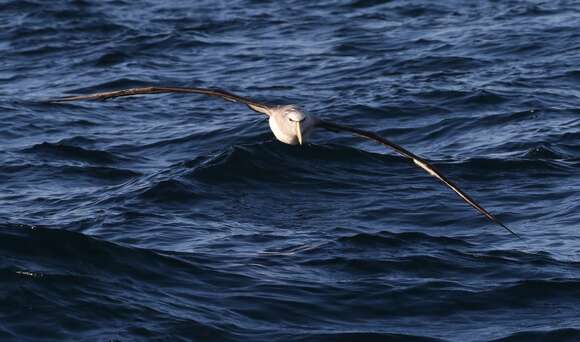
290 125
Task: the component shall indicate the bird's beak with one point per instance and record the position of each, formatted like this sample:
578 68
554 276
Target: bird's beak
299 132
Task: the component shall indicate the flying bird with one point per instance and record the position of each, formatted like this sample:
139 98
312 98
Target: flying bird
292 126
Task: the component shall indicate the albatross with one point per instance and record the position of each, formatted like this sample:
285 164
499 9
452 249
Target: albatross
292 126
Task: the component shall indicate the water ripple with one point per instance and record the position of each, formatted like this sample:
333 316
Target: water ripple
180 217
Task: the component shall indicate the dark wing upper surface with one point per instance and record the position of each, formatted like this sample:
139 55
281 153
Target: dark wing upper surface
420 162
256 106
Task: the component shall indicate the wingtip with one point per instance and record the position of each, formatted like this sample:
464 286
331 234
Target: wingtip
54 101
508 229
50 101
75 98
61 99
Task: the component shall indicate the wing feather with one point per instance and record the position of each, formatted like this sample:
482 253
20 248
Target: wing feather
418 161
255 106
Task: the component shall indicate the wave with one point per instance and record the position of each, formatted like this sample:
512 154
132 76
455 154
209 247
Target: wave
389 239
66 150
24 171
362 336
438 63
287 166
69 253
174 191
273 162
566 334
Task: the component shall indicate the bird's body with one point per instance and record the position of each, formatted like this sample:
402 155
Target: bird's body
292 126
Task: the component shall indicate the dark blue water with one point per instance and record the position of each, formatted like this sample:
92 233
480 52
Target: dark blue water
180 217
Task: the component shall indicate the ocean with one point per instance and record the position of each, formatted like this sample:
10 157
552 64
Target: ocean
179 217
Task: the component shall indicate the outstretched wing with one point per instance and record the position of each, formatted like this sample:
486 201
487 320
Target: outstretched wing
420 162
256 106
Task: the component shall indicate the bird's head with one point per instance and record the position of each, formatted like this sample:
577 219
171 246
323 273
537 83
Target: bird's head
290 125
295 119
